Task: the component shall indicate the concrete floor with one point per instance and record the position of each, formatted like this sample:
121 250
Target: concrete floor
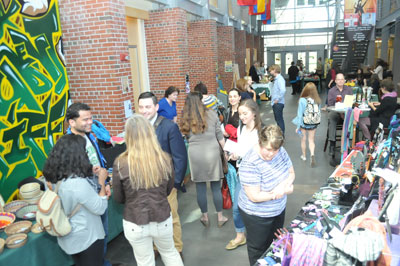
206 246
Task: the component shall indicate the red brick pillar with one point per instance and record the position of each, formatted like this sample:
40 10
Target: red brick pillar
240 51
93 42
226 52
167 52
203 53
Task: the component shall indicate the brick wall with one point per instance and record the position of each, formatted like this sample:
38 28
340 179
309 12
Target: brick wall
167 51
93 41
226 52
203 53
240 51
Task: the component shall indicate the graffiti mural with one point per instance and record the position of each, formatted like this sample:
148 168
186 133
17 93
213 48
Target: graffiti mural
33 88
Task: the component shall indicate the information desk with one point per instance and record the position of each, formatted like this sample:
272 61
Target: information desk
42 249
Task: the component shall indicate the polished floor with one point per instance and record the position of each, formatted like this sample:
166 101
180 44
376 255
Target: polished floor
206 246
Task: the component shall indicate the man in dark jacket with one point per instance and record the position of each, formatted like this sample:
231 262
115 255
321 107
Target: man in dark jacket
293 72
253 73
171 141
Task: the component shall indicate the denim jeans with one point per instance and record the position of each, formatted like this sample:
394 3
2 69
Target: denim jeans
278 114
237 219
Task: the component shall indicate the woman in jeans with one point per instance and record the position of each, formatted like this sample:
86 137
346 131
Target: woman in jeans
266 176
310 94
69 168
203 131
247 134
142 180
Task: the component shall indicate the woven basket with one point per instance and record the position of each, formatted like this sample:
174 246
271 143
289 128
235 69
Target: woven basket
18 227
2 242
15 205
16 241
37 228
6 217
27 213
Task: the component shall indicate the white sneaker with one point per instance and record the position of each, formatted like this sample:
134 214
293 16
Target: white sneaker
303 157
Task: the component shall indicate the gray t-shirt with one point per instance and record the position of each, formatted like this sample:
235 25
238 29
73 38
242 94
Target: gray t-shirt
86 223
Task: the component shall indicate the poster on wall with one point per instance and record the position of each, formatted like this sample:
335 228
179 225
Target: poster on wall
34 89
359 20
228 66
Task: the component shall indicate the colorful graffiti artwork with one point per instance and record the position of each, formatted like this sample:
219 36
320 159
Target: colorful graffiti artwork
34 88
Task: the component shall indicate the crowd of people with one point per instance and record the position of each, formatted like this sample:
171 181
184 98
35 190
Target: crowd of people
147 176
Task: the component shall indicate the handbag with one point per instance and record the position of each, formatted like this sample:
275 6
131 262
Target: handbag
226 196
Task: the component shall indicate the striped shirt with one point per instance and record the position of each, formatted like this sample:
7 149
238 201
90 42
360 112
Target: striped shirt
255 171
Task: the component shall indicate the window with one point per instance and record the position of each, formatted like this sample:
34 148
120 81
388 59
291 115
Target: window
278 59
312 61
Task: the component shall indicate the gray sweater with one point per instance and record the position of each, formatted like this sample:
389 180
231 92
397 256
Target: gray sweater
86 223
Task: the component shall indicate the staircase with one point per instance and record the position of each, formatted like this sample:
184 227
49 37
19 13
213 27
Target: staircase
347 55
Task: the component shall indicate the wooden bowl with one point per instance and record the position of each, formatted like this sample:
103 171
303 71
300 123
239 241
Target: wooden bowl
27 213
15 205
16 241
6 218
18 227
2 241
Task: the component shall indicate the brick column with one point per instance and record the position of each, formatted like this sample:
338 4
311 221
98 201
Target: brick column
93 42
203 53
240 51
226 52
167 52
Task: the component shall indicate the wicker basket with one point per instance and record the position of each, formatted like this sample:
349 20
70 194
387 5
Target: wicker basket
2 242
18 227
37 228
27 213
15 205
16 241
7 218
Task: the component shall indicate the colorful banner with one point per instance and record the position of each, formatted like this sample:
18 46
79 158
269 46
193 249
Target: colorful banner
34 89
257 9
266 16
247 2
359 20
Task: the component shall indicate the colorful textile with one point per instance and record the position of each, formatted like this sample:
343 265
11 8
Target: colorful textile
307 250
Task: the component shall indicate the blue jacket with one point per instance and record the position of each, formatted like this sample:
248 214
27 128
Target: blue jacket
298 120
171 141
102 160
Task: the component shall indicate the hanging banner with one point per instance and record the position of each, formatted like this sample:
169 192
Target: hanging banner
359 20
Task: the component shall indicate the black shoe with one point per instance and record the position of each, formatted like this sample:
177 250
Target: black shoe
332 162
331 150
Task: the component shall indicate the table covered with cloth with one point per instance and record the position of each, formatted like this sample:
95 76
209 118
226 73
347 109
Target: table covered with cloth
42 249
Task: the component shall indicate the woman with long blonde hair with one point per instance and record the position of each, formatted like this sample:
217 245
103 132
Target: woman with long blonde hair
203 131
309 94
142 180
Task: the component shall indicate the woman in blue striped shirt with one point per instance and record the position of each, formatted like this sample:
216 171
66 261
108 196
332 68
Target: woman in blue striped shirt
266 176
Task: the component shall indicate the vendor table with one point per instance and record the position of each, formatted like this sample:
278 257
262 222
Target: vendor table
336 211
261 88
315 80
42 249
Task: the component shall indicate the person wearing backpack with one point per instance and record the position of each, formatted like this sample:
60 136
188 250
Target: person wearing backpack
68 168
306 120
